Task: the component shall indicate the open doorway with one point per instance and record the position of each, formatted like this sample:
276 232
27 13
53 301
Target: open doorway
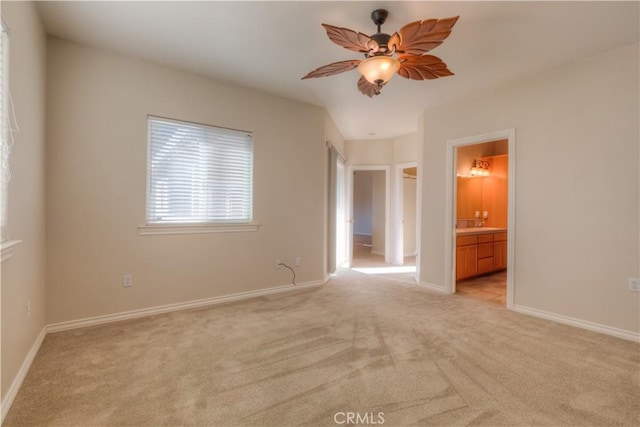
481 211
369 224
369 218
481 220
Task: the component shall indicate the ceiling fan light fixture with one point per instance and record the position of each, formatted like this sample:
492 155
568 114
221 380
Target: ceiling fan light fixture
379 69
411 43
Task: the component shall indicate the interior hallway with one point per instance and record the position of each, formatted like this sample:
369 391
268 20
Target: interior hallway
366 262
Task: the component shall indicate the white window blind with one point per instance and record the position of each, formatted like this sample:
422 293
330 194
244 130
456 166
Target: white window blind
198 173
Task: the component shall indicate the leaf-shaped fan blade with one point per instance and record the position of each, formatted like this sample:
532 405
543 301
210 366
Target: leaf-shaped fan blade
369 89
333 69
349 39
419 37
422 67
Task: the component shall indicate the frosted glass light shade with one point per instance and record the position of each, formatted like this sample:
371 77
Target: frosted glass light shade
379 68
480 168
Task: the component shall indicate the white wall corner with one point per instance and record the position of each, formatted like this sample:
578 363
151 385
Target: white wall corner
7 400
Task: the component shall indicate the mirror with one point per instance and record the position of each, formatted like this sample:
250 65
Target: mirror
469 197
482 193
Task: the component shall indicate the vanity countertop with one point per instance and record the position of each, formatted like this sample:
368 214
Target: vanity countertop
478 230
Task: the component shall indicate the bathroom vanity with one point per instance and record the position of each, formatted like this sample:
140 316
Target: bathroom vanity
480 250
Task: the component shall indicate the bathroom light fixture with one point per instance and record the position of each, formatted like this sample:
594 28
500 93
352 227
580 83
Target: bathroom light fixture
480 168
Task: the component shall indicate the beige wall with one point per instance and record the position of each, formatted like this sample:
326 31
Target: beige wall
96 174
363 202
405 148
333 135
369 152
379 152
577 188
23 275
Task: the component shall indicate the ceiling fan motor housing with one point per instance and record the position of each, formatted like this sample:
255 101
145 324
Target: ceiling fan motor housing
378 17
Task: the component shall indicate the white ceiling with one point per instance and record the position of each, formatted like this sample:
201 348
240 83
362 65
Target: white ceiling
269 46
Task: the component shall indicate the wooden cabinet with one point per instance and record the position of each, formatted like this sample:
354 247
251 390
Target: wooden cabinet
500 251
485 253
480 254
485 250
466 261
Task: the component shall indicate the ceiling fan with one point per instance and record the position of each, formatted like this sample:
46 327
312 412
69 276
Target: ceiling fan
402 53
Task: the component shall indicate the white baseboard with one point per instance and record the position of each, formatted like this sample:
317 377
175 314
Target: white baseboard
133 314
7 400
432 287
584 324
377 253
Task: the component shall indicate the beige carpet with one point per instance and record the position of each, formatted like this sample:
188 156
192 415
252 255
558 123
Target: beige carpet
361 344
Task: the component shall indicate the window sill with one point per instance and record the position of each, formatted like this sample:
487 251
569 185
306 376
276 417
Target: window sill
154 230
7 248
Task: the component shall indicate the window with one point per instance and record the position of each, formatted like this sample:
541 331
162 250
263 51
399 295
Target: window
198 174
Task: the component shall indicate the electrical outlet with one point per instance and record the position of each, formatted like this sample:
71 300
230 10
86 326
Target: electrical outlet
278 264
29 311
298 261
634 284
127 281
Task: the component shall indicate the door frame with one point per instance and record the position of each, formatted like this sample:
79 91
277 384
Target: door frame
341 245
398 226
450 207
387 208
